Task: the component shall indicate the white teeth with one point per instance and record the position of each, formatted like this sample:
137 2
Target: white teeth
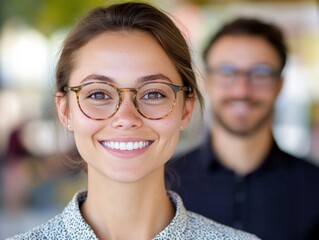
129 146
126 146
122 146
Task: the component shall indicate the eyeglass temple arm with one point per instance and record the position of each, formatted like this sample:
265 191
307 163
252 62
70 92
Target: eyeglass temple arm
74 89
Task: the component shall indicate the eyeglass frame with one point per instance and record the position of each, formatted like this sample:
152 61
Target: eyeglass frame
274 74
77 90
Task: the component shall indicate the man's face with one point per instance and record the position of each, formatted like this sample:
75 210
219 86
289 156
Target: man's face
243 81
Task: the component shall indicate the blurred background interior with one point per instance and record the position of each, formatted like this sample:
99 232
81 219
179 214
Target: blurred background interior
35 182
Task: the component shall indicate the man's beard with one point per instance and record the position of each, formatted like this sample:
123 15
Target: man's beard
246 132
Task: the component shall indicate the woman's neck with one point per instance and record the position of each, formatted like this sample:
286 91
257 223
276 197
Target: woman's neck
138 210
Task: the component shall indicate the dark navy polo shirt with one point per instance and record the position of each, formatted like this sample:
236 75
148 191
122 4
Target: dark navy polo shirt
278 201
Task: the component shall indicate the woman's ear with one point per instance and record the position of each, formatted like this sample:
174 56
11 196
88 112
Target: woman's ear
62 108
187 112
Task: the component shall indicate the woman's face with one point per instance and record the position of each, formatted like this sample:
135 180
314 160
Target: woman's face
124 58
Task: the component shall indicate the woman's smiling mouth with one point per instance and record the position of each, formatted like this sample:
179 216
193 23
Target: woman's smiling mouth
126 146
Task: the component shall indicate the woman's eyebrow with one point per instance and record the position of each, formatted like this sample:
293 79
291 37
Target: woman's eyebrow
140 80
153 77
98 77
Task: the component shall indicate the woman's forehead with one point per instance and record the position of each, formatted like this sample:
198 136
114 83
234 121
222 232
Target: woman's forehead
123 55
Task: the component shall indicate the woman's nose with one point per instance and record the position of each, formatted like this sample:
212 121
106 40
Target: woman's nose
127 116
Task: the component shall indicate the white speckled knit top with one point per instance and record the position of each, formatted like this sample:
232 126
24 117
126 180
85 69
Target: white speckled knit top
185 225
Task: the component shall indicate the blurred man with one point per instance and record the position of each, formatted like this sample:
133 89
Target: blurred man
239 176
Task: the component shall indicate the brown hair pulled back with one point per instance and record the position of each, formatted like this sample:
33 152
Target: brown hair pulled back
128 16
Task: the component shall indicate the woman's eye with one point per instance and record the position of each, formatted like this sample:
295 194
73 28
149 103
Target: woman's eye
98 95
153 95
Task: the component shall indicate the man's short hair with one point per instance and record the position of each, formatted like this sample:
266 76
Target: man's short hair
252 27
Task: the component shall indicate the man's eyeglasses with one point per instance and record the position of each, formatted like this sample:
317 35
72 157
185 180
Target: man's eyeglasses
101 100
260 76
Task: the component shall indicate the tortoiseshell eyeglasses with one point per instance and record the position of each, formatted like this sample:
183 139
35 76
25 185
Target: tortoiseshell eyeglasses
101 100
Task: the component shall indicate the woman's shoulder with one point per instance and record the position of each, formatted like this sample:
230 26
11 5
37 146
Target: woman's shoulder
52 229
67 225
202 226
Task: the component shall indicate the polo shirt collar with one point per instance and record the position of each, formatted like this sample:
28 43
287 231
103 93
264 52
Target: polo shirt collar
209 160
77 227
